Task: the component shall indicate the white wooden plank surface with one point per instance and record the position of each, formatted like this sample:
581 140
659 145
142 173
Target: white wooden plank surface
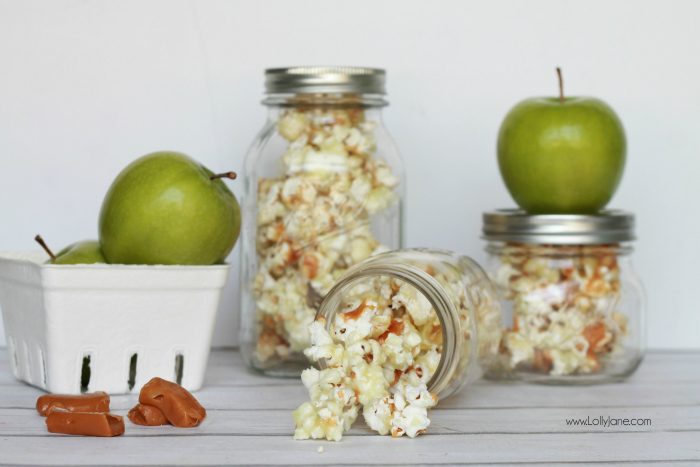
250 423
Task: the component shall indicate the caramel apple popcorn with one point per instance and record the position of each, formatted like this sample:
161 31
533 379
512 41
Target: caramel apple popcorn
314 221
380 352
384 344
565 317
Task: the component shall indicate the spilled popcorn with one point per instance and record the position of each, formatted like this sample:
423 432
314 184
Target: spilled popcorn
314 220
565 320
381 350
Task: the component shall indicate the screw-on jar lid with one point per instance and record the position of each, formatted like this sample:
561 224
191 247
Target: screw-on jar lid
513 225
325 79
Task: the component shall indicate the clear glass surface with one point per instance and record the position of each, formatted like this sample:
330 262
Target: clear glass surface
444 304
324 190
572 314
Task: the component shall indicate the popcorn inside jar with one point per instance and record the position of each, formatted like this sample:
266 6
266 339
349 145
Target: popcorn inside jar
390 345
573 311
316 220
565 317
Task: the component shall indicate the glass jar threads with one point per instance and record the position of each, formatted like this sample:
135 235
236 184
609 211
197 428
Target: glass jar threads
434 315
323 191
574 307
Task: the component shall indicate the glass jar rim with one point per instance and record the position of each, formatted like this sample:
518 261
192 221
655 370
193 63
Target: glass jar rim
431 289
331 100
555 251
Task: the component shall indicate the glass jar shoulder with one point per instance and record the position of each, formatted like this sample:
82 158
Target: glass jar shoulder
323 139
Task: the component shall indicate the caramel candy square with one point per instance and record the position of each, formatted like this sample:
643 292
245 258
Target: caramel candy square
147 415
84 423
92 402
177 404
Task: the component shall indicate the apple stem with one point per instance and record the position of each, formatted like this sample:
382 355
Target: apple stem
231 175
46 248
561 85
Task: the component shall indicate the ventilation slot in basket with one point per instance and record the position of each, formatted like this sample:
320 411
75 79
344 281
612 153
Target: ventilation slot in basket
26 361
13 353
179 366
43 368
85 374
132 371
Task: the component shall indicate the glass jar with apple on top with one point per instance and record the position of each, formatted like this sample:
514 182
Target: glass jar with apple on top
573 305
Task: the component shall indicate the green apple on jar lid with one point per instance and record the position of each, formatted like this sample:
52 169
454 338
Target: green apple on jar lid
561 154
166 208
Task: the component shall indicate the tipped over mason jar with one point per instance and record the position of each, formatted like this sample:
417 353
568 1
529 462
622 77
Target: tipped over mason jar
395 334
573 304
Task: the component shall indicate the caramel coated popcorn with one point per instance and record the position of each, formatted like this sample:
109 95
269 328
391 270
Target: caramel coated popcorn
314 220
565 317
379 360
382 349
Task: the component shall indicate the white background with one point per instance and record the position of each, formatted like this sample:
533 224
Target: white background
87 86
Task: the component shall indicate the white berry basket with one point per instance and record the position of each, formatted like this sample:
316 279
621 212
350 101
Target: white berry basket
104 327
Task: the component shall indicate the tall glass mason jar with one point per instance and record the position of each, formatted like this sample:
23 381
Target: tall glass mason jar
434 315
324 188
573 305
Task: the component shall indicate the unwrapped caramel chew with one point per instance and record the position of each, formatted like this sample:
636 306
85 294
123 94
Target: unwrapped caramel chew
84 423
93 402
147 415
177 404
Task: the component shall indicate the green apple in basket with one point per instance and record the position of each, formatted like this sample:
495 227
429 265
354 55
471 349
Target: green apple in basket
85 252
166 208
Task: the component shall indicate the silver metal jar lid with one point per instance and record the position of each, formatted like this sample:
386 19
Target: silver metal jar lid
513 225
325 79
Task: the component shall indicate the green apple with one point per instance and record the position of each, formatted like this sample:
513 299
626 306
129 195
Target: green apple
166 208
561 155
85 252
